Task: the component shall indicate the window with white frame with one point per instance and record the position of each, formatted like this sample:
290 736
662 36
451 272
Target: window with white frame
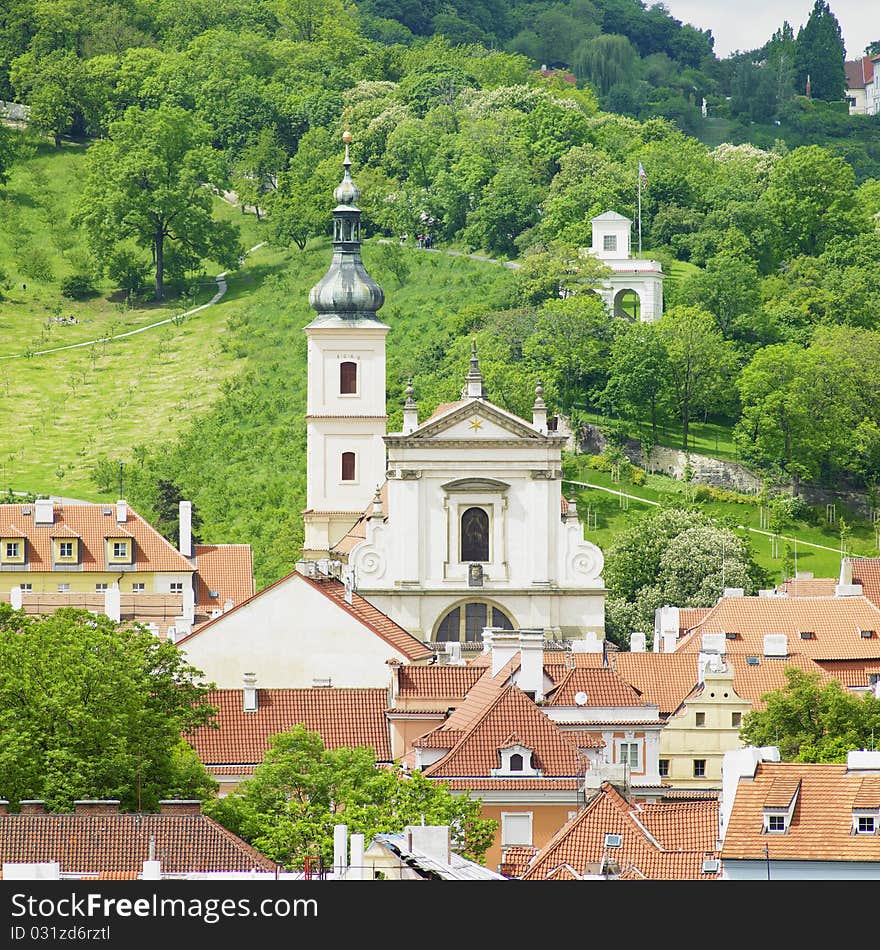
65 548
176 587
12 549
120 549
100 587
699 768
775 824
609 242
138 588
629 753
865 821
516 829
64 588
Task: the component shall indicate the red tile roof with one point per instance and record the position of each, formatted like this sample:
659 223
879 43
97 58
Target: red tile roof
834 621
477 751
343 717
808 587
152 552
663 679
859 72
851 673
689 617
227 570
603 687
660 841
437 681
866 571
115 846
821 824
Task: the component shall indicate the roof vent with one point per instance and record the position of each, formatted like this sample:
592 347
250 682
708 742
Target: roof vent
25 511
213 593
731 635
866 633
613 841
711 866
107 511
806 634
753 660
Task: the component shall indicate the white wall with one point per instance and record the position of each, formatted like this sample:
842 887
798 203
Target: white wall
290 635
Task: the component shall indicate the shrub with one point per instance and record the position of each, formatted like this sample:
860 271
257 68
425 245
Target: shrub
638 476
77 286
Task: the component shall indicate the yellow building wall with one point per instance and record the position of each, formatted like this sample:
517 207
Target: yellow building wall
546 821
682 740
83 582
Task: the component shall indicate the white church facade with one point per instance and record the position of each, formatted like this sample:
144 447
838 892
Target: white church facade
454 524
632 279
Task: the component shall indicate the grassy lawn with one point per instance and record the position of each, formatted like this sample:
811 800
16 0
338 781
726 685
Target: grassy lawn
605 515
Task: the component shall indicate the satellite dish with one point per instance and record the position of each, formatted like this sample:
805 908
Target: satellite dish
580 698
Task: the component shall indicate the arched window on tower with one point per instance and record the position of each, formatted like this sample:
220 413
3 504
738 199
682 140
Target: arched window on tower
348 466
475 535
348 377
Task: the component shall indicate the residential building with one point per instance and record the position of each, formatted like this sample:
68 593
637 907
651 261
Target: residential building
612 837
108 559
248 717
859 75
800 821
97 842
307 629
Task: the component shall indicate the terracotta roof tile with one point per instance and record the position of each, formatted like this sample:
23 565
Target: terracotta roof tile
516 860
753 681
808 587
343 717
117 845
821 824
851 673
603 687
152 552
225 569
437 681
689 617
834 621
659 841
866 571
663 679
477 751
514 784
781 791
868 795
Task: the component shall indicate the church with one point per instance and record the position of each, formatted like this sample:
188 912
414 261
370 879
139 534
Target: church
459 521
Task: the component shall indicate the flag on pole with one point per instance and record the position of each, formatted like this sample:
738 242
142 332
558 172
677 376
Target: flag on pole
642 175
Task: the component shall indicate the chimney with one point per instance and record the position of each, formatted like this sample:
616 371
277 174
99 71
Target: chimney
4 806
863 760
113 602
340 849
714 643
637 642
96 806
410 411
848 590
188 610
734 592
775 644
180 806
531 663
249 692
589 644
666 620
431 840
356 858
503 645
121 511
33 806
539 410
44 511
15 598
185 518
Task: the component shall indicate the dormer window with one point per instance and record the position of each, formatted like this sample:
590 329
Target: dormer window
866 824
779 805
65 549
12 550
119 550
516 762
775 824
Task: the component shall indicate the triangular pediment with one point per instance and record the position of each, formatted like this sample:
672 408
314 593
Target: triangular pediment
476 420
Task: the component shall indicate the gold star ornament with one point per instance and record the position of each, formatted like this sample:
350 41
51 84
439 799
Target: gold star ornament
475 424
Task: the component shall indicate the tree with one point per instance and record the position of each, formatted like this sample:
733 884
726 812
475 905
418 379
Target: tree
637 370
147 182
606 61
813 721
301 790
729 288
257 168
820 53
90 708
701 363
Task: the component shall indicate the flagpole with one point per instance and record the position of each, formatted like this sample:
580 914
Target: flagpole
640 213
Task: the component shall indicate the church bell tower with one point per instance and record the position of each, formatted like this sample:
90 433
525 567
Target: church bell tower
345 415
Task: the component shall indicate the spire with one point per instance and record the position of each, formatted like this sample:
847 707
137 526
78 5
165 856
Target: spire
539 410
410 411
346 293
474 383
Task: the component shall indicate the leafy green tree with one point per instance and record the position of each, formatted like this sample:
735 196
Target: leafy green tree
637 371
812 721
729 288
820 53
811 194
93 709
301 790
606 61
257 167
147 182
701 364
